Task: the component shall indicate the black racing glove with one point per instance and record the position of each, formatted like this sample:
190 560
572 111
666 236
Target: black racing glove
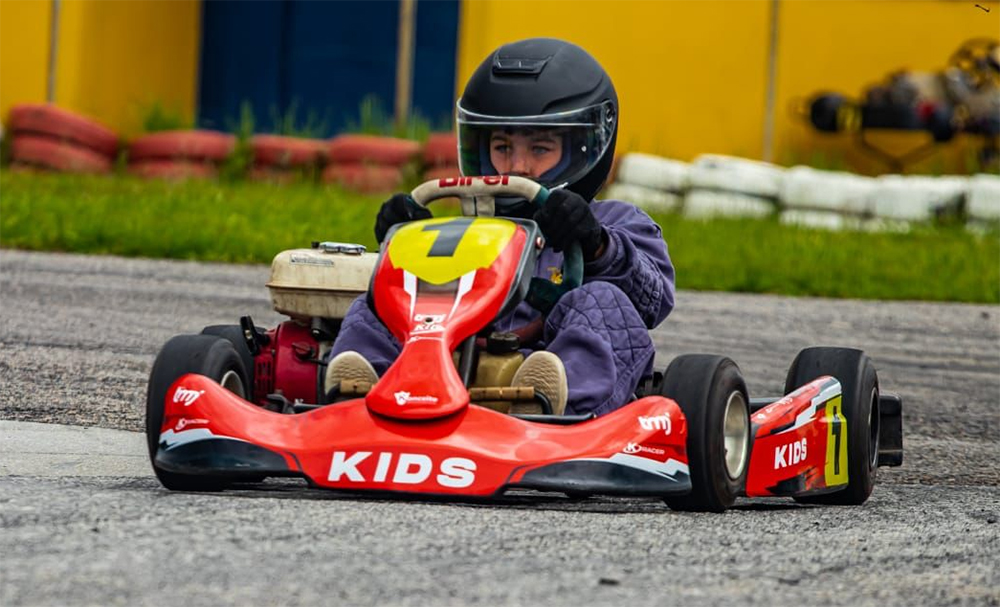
398 209
566 218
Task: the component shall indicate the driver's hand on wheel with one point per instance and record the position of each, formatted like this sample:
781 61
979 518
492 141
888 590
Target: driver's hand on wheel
398 209
566 218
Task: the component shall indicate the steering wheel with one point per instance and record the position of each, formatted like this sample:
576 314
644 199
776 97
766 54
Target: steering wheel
478 198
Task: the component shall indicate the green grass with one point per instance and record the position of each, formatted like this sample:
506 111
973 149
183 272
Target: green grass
250 222
158 116
374 120
763 256
235 222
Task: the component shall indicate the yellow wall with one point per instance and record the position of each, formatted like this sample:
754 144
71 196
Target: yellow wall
24 51
692 75
116 59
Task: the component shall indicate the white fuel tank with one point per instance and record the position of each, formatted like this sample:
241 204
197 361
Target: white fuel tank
320 282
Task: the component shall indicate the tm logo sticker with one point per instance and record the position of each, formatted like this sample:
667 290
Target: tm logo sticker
183 395
655 422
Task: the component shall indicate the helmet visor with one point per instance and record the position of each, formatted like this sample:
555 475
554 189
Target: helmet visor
553 149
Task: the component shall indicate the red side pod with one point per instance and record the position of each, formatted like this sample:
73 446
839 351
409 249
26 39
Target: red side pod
800 443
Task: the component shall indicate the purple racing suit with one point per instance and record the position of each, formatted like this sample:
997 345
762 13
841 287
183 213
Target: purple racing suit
599 330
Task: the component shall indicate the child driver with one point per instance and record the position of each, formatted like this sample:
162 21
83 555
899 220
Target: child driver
546 110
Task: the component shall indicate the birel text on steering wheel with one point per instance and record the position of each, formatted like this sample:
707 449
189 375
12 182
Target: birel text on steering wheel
478 195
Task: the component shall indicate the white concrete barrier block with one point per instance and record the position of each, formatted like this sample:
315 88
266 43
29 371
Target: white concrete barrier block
826 220
808 188
653 172
703 204
983 198
730 174
882 224
645 198
915 198
831 220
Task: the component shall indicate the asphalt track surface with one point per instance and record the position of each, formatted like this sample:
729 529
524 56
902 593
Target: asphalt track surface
83 521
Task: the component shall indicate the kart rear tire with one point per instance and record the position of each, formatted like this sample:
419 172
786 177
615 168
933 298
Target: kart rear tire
234 334
208 355
860 405
707 387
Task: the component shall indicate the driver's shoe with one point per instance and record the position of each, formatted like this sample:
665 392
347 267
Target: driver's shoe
349 366
544 372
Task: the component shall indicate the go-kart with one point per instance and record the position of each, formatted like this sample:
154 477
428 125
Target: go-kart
237 404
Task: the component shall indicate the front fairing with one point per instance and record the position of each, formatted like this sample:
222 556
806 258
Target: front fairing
437 282
637 450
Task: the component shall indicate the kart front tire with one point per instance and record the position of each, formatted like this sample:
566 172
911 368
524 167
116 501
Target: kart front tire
234 333
713 396
208 355
860 405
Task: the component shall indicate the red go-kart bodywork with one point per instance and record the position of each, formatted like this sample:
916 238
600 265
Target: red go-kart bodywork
436 284
640 449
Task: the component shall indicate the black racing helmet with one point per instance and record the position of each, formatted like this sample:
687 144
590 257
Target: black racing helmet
542 84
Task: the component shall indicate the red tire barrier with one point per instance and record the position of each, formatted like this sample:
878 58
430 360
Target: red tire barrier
273 174
172 169
440 172
58 154
24 167
49 120
441 149
192 145
387 151
281 151
366 178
